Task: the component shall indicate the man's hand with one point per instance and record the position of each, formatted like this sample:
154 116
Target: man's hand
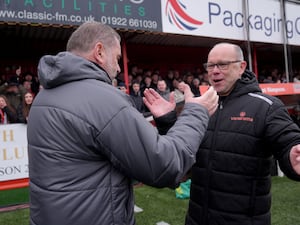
209 99
295 158
157 105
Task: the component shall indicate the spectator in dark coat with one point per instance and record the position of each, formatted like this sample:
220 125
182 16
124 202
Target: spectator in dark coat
24 107
136 96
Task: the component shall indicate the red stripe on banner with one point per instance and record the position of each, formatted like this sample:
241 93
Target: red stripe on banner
12 184
185 16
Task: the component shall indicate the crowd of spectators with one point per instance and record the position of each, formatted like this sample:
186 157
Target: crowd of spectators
18 89
164 83
275 75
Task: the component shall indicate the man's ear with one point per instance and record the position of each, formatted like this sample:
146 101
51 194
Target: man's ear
99 53
243 67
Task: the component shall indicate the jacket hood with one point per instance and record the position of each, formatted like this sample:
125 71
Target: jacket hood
66 67
248 83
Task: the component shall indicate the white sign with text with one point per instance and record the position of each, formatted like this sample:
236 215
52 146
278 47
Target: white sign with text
227 19
13 152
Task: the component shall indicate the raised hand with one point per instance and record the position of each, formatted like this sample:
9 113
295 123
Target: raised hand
295 158
157 105
209 99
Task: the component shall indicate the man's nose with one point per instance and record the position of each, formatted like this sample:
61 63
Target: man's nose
216 66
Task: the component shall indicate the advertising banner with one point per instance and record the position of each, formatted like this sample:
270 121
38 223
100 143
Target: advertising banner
127 14
13 152
280 89
207 18
276 89
227 19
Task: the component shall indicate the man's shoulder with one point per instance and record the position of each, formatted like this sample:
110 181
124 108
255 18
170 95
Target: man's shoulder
259 96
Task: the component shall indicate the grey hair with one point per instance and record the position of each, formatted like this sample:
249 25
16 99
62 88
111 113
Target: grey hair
84 38
237 49
239 52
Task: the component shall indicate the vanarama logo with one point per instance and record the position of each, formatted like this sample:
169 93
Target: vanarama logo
242 117
177 15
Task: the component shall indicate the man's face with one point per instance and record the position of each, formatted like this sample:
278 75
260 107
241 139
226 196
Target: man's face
148 81
223 78
27 85
136 87
123 88
161 85
111 61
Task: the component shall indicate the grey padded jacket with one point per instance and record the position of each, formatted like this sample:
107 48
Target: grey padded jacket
86 142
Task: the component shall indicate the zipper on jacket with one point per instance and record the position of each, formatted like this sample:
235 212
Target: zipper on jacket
221 105
211 153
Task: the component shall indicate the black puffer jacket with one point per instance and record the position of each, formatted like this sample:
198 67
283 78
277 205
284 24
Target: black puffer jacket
231 178
86 141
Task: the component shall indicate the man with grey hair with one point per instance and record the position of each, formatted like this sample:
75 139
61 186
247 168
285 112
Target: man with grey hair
87 142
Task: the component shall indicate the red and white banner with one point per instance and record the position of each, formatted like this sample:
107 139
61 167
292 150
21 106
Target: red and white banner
228 19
